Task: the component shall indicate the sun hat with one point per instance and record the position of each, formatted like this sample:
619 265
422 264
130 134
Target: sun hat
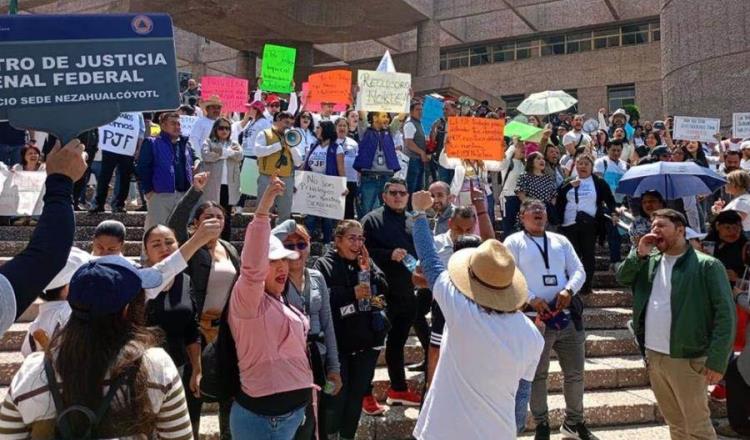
488 276
76 259
212 100
277 251
105 285
691 234
620 112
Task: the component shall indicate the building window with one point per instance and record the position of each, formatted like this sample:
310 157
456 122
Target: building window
443 61
512 102
480 55
573 93
553 45
620 95
607 38
527 49
503 52
635 34
459 58
580 42
655 31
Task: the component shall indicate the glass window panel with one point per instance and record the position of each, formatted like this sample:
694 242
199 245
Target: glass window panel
620 95
503 55
656 35
635 28
634 38
553 45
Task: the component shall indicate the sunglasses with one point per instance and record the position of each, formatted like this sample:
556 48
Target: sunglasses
300 246
398 193
223 128
305 118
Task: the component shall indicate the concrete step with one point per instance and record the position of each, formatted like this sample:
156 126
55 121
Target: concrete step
132 218
84 233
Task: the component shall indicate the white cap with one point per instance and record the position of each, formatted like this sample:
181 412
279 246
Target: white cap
744 145
277 251
76 259
691 234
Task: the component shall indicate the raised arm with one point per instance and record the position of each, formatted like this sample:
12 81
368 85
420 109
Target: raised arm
423 240
180 217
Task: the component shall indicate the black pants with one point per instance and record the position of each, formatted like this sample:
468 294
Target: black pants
583 240
307 430
421 327
125 166
401 317
226 233
343 411
738 400
195 404
80 185
351 200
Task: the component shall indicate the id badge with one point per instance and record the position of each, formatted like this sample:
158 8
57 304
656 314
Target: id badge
549 280
380 160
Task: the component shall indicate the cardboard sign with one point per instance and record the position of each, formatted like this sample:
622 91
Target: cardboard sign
319 195
121 135
432 110
333 86
21 192
741 125
523 131
231 91
383 92
277 70
688 128
475 138
186 124
67 73
315 106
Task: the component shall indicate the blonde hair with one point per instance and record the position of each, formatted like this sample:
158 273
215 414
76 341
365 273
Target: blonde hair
740 179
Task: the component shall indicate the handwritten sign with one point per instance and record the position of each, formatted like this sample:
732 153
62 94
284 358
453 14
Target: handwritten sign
186 124
121 135
334 86
432 110
319 195
383 91
741 125
277 70
21 192
315 107
688 128
475 138
232 91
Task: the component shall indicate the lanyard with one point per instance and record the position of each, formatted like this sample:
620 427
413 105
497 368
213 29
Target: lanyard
544 252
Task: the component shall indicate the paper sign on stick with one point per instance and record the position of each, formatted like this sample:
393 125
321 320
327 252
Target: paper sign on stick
315 107
319 195
689 128
432 110
523 131
277 70
121 135
22 192
186 124
231 91
741 125
475 138
383 92
333 86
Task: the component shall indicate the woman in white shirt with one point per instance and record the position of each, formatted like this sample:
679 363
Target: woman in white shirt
222 158
738 186
305 123
511 167
325 157
351 149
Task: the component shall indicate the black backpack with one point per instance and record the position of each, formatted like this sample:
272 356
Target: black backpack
62 427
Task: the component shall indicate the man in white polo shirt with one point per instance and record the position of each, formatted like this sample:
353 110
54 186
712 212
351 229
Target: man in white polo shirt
554 274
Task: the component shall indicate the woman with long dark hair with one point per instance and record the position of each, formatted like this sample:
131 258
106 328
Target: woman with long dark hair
305 123
536 184
325 157
103 360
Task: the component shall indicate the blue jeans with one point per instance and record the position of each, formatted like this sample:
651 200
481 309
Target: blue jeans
415 176
614 241
445 175
311 223
512 208
491 208
370 191
10 154
248 425
522 404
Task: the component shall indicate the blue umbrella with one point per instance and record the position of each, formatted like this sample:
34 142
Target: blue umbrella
672 179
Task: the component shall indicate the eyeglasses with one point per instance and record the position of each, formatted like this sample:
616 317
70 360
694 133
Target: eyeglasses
536 208
223 128
300 246
397 193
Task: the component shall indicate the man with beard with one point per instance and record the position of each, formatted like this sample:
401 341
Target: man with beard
442 206
437 135
683 319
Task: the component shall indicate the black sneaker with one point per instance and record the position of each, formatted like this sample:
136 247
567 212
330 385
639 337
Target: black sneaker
96 210
578 431
542 431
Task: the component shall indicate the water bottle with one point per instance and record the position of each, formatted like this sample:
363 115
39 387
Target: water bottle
329 387
410 262
364 278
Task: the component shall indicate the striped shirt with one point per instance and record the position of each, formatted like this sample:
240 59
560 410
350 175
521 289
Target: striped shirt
28 404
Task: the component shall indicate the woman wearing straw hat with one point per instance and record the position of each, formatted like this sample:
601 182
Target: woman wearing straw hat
472 394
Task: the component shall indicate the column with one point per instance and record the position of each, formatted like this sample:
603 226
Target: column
428 48
246 64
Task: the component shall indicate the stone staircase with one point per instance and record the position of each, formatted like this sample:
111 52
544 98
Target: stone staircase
618 401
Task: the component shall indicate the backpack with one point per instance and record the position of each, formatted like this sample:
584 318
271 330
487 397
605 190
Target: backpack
62 427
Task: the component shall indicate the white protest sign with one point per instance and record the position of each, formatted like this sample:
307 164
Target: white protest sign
741 125
319 195
186 124
383 92
21 192
121 135
688 128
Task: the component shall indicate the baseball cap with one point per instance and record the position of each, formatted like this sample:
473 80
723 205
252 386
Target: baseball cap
105 285
76 259
271 99
7 304
745 145
285 228
277 251
258 105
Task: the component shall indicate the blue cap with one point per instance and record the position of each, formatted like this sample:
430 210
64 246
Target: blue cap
106 285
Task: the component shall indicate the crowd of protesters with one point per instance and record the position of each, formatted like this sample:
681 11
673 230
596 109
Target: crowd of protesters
287 344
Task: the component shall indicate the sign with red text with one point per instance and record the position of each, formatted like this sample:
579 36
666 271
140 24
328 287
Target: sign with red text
475 138
333 86
232 91
688 128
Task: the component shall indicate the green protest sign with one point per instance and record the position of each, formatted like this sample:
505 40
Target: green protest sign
523 131
278 68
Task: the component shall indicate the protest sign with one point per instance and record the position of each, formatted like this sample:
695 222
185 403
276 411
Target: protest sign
523 131
432 110
231 91
315 107
383 92
741 125
121 135
319 195
249 177
688 128
67 73
277 70
21 192
475 138
186 124
333 86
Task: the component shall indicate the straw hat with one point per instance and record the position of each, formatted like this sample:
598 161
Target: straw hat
213 100
489 277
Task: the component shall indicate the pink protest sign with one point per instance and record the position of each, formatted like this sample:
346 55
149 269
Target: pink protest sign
315 106
231 91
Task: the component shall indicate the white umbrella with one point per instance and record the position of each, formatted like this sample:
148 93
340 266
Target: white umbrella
546 103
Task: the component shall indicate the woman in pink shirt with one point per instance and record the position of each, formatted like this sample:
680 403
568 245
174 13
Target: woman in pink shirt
270 336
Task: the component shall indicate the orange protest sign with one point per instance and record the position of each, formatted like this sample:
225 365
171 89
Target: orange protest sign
334 86
475 138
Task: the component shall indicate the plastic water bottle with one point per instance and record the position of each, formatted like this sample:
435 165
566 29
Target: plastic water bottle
410 262
364 278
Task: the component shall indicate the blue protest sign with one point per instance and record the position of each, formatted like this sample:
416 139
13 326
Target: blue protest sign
432 110
67 73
